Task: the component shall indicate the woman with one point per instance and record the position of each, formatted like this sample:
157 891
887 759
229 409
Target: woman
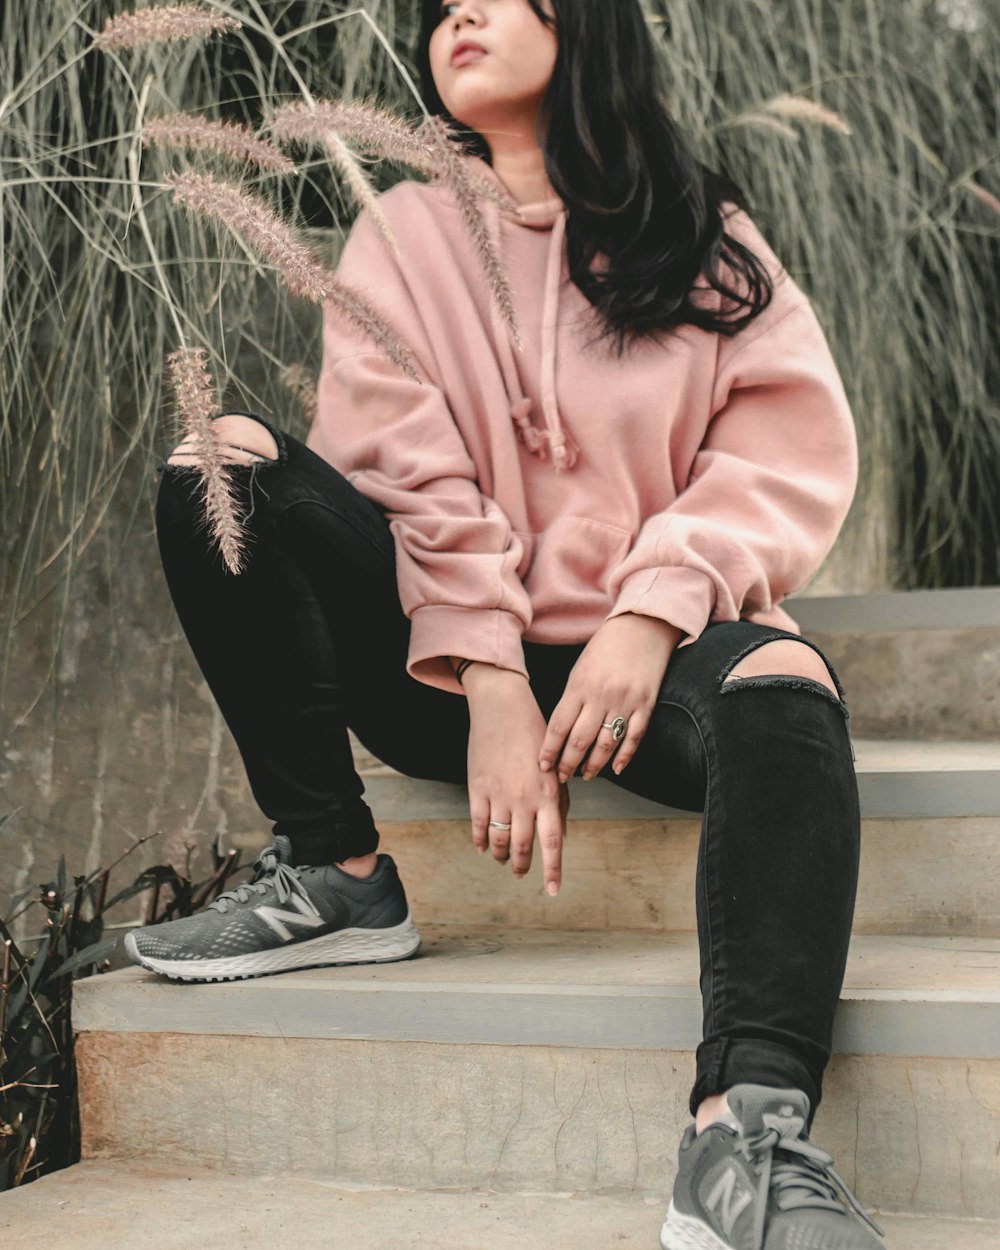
557 555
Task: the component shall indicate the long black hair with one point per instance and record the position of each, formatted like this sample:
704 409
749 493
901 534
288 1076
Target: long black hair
633 190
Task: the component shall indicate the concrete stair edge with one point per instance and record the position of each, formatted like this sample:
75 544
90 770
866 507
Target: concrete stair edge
896 780
99 1205
630 989
975 607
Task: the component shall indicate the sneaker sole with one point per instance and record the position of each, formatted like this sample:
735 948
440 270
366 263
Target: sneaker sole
687 1232
346 946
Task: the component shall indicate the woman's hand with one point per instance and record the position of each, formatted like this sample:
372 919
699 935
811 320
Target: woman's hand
619 673
505 782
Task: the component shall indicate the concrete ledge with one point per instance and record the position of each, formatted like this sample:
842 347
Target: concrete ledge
99 1205
633 989
911 1134
932 878
972 608
896 780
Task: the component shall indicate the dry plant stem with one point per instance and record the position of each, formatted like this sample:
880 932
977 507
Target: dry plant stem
215 882
302 385
29 1154
4 984
226 139
359 184
267 234
196 406
986 197
484 243
162 24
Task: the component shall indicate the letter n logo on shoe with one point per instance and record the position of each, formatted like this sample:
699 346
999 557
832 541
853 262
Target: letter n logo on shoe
728 1198
306 917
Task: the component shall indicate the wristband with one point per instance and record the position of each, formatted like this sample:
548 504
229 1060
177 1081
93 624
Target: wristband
460 669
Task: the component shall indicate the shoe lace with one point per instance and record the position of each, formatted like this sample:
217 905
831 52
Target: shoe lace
269 872
799 1174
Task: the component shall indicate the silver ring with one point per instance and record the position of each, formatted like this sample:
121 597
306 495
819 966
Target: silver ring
498 824
617 727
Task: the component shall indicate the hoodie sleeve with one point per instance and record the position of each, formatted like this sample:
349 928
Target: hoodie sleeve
396 440
769 487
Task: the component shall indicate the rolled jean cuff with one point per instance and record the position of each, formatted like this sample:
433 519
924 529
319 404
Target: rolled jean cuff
734 1061
330 837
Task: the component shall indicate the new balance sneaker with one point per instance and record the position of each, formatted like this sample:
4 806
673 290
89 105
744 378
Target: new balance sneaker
284 918
754 1181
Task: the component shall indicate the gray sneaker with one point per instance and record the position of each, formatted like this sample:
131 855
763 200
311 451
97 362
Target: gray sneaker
284 918
754 1181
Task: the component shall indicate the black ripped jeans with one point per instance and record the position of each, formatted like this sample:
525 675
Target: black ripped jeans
311 639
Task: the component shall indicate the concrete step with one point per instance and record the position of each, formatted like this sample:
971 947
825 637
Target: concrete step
556 1061
916 664
930 850
114 1206
897 780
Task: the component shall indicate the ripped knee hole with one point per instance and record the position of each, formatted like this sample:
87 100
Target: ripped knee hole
783 662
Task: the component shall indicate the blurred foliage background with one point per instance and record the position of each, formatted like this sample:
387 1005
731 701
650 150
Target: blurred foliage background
893 229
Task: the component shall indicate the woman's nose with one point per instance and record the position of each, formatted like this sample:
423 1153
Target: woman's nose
466 12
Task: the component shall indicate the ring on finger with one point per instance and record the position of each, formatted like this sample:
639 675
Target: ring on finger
498 824
617 727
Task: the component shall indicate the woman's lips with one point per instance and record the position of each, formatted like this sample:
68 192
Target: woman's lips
464 55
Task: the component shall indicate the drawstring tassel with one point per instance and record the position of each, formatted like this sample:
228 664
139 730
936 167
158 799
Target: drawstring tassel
563 453
530 435
542 443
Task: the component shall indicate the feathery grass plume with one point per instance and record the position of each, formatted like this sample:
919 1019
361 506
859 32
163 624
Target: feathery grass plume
375 131
798 107
162 24
271 237
196 403
301 383
765 121
465 195
227 139
987 197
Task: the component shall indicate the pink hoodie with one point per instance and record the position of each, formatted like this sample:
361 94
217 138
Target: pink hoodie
534 493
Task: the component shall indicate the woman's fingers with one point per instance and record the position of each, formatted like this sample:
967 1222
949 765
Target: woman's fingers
522 835
551 827
602 750
581 738
500 839
560 723
479 811
637 726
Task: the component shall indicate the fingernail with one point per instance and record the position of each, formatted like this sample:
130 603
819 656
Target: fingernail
545 765
552 888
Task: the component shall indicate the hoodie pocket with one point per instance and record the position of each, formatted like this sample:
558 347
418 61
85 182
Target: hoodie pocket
570 565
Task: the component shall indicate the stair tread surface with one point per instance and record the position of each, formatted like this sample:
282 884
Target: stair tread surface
111 1205
897 779
912 996
908 755
556 961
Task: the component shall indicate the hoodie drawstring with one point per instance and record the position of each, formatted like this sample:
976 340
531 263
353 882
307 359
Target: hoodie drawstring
552 440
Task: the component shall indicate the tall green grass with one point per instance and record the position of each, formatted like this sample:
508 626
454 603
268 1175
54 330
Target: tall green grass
893 229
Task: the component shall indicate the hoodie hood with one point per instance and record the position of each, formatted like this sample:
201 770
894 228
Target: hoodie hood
549 440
